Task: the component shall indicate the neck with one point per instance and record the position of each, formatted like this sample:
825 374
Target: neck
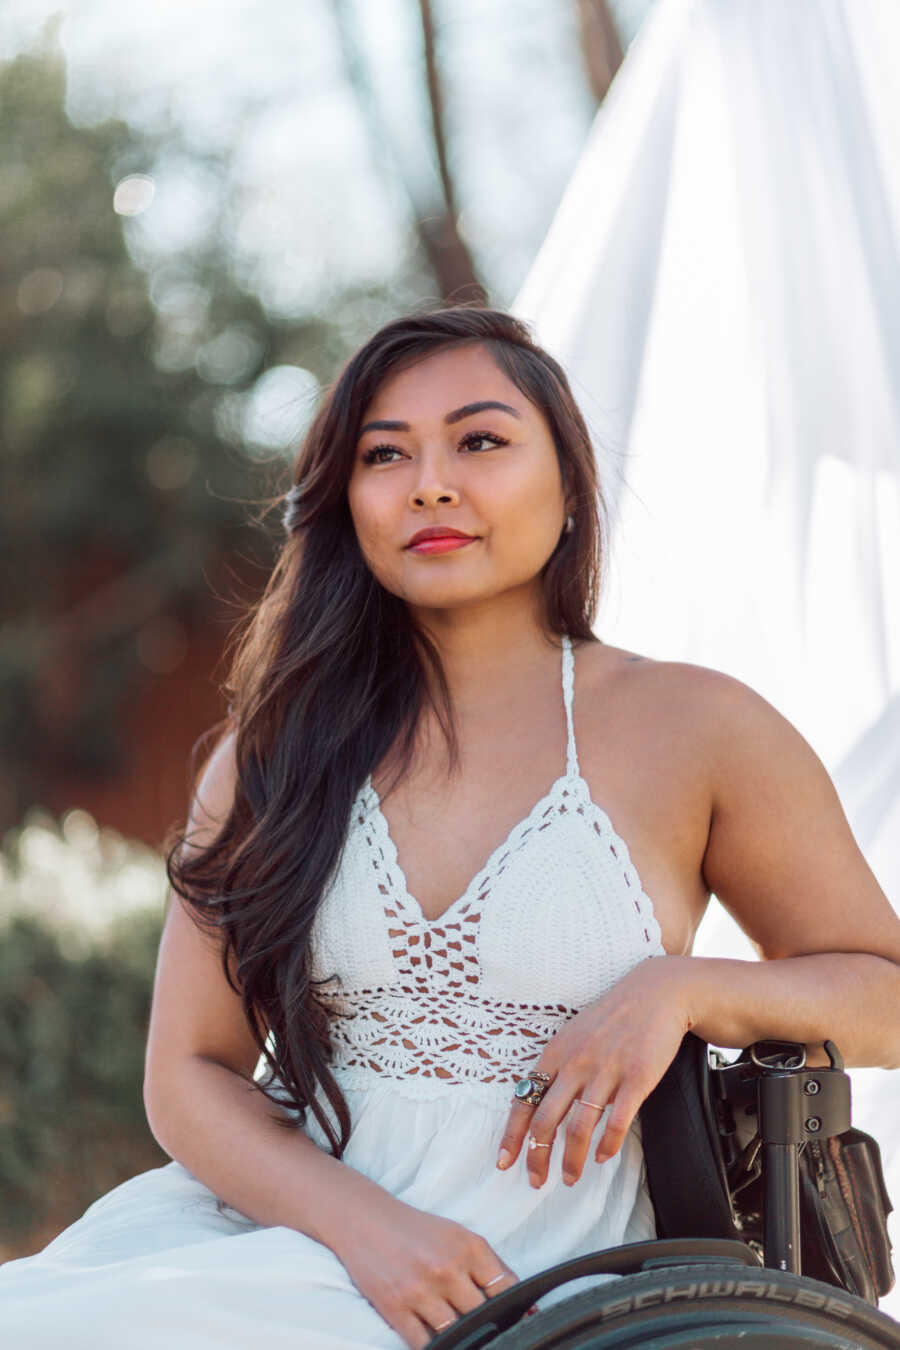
490 653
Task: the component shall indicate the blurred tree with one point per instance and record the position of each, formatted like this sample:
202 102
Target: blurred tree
125 470
430 188
128 379
80 917
428 178
117 488
450 256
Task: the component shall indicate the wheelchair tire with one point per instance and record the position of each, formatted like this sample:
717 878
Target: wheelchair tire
706 1308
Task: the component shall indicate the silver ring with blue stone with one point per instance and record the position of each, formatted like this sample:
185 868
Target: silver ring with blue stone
530 1089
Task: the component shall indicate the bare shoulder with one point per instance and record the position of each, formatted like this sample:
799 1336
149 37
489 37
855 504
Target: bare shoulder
780 854
624 662
702 700
736 726
742 739
213 796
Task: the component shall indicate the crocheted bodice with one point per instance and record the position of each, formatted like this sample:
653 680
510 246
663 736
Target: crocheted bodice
556 916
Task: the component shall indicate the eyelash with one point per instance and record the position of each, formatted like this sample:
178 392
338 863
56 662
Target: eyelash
369 455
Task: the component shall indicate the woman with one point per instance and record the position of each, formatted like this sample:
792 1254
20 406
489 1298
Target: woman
409 926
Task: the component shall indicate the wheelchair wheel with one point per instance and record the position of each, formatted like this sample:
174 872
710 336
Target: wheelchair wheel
706 1308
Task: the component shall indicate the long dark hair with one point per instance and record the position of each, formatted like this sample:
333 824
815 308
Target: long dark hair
329 674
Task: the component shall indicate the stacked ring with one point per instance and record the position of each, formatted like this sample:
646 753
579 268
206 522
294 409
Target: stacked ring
530 1089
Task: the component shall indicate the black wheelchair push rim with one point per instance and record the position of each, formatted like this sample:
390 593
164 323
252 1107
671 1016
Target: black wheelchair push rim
681 1295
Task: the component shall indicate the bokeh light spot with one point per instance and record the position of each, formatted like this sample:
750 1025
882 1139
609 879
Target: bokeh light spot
39 290
80 829
170 463
133 194
278 408
229 357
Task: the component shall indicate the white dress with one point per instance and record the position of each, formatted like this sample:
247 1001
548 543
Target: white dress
555 917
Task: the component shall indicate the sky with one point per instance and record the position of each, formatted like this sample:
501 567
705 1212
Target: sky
320 197
318 193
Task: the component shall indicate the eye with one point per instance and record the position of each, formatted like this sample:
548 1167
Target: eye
469 440
370 456
483 436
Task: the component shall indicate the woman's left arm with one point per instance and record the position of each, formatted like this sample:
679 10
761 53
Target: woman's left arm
781 858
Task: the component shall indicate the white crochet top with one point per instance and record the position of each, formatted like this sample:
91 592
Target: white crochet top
556 916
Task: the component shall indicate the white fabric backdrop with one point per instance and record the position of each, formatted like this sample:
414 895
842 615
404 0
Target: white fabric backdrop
722 284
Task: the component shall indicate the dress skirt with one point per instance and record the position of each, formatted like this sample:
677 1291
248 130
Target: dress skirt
162 1260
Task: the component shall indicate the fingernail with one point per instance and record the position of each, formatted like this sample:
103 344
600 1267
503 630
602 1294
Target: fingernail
602 1157
568 1178
504 1158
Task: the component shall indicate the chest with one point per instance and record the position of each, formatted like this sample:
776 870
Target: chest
556 915
445 831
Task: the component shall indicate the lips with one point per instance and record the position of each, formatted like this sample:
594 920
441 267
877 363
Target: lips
444 543
438 532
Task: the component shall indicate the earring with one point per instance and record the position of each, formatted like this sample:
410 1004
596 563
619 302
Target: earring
570 524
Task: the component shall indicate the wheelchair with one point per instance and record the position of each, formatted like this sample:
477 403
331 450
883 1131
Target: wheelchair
732 1265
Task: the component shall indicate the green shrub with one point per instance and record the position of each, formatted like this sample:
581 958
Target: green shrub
81 913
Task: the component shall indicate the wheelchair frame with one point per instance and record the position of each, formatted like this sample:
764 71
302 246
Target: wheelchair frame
793 1104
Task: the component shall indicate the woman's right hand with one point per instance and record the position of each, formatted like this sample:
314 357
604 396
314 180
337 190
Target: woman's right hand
419 1272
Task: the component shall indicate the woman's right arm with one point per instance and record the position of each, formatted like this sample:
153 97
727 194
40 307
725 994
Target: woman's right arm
205 1112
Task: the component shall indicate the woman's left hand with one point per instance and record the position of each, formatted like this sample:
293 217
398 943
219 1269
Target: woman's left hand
614 1051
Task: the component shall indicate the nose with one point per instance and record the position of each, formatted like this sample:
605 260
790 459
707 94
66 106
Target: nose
431 497
432 490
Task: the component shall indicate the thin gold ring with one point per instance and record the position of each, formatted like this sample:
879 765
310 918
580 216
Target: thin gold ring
501 1276
582 1102
444 1325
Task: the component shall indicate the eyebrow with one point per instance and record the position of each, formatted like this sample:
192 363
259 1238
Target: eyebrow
458 413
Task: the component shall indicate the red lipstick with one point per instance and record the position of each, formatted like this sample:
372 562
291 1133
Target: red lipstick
439 539
443 543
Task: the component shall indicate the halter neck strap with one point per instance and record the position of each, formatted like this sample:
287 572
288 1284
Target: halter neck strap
568 683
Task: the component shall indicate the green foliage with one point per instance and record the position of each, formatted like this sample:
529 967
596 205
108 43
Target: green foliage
80 919
128 486
85 401
112 463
